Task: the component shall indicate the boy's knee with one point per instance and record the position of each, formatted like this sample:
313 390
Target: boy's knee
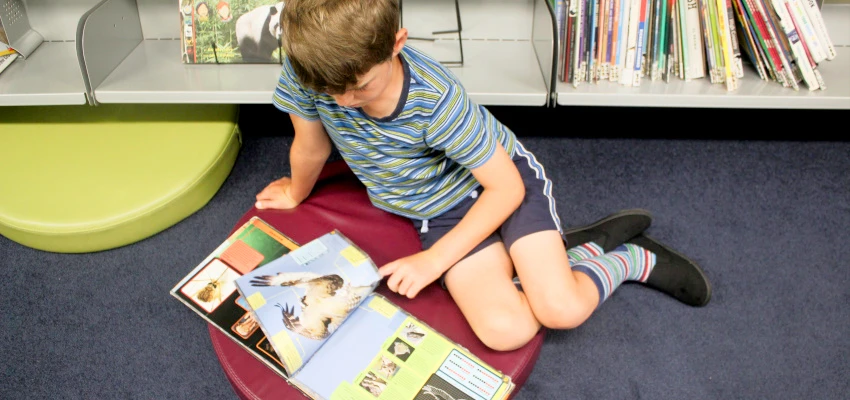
561 316
502 332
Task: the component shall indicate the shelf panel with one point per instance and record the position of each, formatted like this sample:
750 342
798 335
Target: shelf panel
494 73
751 93
153 73
49 76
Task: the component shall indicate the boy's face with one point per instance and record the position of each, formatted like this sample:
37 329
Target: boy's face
369 87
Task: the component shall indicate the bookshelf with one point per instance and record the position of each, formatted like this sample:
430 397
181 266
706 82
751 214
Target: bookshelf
127 51
752 92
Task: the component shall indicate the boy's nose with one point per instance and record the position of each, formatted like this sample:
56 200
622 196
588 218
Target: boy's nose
346 99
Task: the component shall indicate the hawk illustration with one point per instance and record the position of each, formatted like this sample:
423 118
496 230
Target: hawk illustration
326 302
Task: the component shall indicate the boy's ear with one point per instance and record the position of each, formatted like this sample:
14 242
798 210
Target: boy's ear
400 40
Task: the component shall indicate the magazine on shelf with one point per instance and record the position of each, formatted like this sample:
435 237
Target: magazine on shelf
338 339
624 41
7 54
209 288
230 31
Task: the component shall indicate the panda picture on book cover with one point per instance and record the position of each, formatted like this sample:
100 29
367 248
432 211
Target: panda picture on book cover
230 31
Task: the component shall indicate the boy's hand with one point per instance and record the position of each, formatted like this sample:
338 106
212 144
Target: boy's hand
411 274
276 195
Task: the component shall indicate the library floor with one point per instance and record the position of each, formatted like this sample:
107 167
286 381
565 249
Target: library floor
766 219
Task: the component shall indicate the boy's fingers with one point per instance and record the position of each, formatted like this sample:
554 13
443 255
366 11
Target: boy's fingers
272 203
388 269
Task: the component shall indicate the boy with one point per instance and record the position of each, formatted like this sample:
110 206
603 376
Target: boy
480 200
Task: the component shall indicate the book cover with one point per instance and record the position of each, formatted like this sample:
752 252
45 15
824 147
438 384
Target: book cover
338 339
209 289
230 31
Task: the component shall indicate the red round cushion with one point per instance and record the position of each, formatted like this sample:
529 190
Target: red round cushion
339 201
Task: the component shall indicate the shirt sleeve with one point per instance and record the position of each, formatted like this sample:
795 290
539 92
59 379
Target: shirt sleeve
291 97
457 128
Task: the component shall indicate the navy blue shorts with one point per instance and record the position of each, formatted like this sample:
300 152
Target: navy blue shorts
536 213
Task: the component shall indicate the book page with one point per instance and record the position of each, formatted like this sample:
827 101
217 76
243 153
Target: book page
383 352
302 298
209 289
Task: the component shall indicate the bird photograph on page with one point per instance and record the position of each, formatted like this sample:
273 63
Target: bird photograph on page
325 301
301 298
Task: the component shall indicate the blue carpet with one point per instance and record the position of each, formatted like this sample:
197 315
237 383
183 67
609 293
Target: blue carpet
767 221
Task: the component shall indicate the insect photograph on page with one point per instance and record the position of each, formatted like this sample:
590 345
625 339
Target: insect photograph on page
212 285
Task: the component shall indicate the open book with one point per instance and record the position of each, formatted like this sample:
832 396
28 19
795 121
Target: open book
337 339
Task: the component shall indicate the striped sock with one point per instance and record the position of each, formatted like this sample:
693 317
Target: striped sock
629 262
584 251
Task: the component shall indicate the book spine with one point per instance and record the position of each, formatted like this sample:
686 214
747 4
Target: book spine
629 62
816 17
602 41
780 51
767 43
578 40
625 15
726 46
591 47
737 62
808 54
616 30
696 59
560 23
641 39
610 54
787 25
749 43
707 39
807 30
657 17
669 60
685 41
566 69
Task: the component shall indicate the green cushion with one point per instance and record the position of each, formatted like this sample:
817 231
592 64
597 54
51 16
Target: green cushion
77 179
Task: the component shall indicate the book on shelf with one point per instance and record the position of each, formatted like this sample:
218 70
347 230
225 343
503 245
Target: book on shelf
230 31
7 54
312 315
623 41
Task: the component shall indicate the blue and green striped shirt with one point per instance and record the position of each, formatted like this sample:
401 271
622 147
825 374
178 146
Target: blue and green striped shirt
415 162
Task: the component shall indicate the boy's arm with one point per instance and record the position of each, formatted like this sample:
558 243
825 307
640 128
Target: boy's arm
309 152
503 192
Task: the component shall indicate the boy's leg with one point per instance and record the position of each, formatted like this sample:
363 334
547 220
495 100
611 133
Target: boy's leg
498 313
560 298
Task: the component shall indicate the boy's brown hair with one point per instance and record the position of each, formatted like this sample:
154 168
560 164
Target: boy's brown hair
331 42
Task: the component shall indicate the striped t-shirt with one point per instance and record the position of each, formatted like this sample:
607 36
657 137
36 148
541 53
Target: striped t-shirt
415 162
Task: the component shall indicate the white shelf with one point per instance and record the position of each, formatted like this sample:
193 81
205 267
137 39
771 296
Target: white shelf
494 73
153 73
751 93
49 76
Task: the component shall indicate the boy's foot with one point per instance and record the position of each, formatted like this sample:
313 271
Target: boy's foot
612 231
675 274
